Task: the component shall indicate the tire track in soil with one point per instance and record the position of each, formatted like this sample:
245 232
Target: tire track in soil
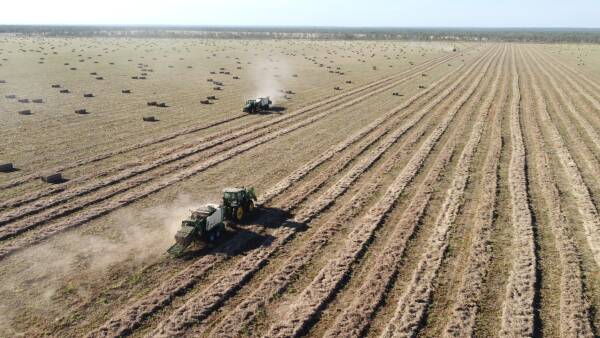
244 313
574 310
185 131
355 318
166 157
200 307
95 211
462 318
133 315
583 201
322 288
412 306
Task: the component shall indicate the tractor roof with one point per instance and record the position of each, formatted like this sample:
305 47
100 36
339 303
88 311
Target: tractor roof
233 189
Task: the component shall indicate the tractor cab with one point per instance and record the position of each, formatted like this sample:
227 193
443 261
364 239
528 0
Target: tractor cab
250 106
238 203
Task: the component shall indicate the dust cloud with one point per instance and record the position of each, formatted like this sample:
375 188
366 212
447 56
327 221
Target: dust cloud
268 79
30 280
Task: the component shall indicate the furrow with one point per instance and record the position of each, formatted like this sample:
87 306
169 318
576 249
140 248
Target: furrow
413 304
568 104
583 200
461 322
245 312
201 306
517 312
133 315
319 104
314 297
219 145
574 310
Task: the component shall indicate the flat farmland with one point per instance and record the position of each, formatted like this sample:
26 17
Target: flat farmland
404 188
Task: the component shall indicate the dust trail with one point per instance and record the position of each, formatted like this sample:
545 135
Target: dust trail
268 78
47 279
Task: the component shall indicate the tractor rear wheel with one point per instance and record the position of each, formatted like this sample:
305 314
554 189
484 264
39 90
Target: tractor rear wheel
239 214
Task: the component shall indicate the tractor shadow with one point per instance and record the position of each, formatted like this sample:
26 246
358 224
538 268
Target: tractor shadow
278 110
239 239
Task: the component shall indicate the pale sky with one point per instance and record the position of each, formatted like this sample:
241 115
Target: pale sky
388 13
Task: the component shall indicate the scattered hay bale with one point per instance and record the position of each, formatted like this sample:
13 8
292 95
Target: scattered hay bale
126 91
152 103
134 77
211 97
348 81
142 78
65 91
2 81
93 73
149 119
25 112
55 86
99 78
24 100
52 178
204 102
396 94
236 77
421 86
217 88
73 68
81 111
295 75
213 72
6 167
37 101
11 96
337 88
209 80
88 95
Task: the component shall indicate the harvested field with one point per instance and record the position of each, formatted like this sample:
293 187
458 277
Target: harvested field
432 193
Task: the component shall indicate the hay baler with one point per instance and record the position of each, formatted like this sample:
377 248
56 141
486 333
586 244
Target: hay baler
208 222
257 105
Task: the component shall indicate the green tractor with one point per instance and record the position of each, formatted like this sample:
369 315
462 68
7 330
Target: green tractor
257 105
208 222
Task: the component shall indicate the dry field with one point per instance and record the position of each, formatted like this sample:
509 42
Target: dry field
465 206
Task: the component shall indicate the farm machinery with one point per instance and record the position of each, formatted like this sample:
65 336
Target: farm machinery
208 222
257 105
